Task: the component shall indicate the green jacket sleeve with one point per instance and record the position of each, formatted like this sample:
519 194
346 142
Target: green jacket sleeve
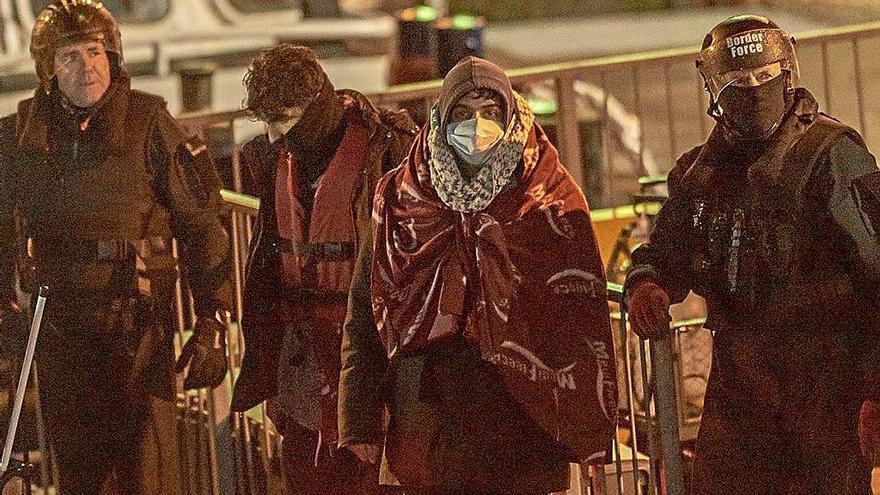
361 397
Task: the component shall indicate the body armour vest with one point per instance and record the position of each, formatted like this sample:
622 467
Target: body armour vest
76 185
756 230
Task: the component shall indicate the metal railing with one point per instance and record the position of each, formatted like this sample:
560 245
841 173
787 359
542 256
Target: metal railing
665 93
663 97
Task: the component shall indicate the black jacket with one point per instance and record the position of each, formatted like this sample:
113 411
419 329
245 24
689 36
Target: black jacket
782 241
808 249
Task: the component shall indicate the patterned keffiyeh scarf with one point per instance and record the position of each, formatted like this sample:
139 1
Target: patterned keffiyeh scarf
469 195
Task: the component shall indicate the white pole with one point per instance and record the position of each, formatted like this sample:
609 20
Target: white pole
23 379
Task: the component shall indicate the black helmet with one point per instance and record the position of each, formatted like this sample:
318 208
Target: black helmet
740 46
65 22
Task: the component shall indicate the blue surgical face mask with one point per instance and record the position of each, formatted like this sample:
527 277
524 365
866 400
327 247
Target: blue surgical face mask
475 139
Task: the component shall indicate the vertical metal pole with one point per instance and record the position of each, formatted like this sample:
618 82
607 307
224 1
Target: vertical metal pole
238 274
205 425
265 451
178 295
212 443
667 416
202 485
567 123
238 445
630 395
618 462
607 156
283 470
654 456
826 76
238 182
238 248
242 426
860 89
618 467
182 444
18 401
637 104
190 481
678 370
670 113
241 421
238 474
249 453
236 160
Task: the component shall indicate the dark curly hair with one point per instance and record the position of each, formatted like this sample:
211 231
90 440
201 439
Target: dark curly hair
281 76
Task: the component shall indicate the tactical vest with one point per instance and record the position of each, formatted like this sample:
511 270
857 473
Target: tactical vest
755 228
79 190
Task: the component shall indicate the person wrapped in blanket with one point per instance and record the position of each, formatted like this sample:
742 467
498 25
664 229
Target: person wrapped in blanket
492 349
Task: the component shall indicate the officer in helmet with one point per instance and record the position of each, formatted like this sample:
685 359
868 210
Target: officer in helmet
775 220
99 180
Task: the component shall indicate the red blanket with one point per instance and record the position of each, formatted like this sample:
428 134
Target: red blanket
522 279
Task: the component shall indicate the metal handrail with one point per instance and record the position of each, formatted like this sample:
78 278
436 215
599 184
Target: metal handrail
244 203
575 68
593 84
666 456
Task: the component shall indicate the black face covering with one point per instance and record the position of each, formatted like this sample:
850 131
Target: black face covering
753 114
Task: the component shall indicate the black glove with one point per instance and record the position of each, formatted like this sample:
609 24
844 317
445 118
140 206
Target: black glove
205 353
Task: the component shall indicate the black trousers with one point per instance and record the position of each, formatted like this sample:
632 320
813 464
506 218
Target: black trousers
108 432
781 416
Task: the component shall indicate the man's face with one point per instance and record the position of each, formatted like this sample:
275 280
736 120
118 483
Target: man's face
83 72
486 103
278 128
